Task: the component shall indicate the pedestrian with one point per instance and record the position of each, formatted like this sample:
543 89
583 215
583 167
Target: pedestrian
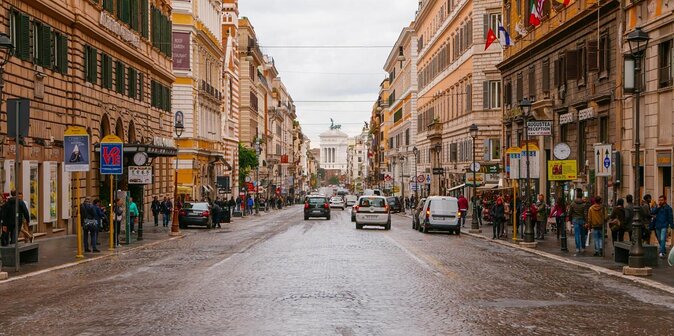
9 235
578 214
541 217
133 214
629 217
250 205
216 214
662 222
596 217
463 209
498 215
156 209
507 212
238 204
232 204
166 210
24 227
645 217
617 221
558 214
90 225
119 216
100 215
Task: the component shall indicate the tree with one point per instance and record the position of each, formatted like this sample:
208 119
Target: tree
247 160
334 180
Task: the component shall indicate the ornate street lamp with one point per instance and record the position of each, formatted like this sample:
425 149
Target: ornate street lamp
525 105
178 128
638 42
474 224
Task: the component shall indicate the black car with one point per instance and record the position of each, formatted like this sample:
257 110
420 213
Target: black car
198 213
394 204
316 206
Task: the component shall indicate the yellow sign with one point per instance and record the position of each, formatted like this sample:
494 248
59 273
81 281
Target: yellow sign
75 130
564 170
513 150
111 139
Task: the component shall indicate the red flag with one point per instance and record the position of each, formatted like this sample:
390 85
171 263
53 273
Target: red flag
564 2
535 16
491 37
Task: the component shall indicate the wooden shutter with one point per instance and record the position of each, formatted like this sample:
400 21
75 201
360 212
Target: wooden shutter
571 64
520 88
141 86
545 76
469 100
63 56
485 25
45 46
592 56
485 94
557 72
23 41
532 81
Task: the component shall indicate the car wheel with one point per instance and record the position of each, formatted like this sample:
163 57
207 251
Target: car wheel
306 218
359 227
209 225
327 218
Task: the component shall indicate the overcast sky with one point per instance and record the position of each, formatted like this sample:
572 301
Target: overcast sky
329 74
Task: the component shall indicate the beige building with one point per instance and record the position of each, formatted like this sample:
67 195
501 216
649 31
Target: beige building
91 64
231 92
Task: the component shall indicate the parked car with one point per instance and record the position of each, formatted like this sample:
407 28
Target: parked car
439 213
351 200
197 213
337 202
415 213
394 204
316 206
353 213
373 210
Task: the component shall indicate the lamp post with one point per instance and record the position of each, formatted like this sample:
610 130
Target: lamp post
415 150
525 105
402 181
474 224
258 151
638 43
7 48
178 128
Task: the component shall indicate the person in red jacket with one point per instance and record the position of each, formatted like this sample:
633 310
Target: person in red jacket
463 209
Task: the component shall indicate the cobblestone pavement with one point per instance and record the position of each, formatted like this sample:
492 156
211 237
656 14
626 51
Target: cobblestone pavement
280 275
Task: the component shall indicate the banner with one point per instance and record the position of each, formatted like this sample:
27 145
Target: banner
76 149
562 170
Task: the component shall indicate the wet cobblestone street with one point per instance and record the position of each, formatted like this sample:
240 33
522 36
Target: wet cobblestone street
279 275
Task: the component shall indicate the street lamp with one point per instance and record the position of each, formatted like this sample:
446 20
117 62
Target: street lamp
415 150
474 225
638 42
258 151
402 180
7 48
401 56
178 128
525 105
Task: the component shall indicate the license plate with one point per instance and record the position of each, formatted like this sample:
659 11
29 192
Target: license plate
317 211
370 216
440 217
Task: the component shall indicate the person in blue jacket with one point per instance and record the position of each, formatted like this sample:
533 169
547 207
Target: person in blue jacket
662 221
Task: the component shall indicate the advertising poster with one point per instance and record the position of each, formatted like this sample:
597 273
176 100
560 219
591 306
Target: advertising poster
76 149
479 179
181 51
49 178
140 174
562 170
112 155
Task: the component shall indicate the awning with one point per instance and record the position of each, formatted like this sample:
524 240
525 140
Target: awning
488 186
460 186
151 150
185 190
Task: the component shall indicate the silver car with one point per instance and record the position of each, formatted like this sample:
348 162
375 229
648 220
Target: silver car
373 210
337 202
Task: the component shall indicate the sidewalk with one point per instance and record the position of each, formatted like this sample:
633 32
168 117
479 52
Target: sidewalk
663 273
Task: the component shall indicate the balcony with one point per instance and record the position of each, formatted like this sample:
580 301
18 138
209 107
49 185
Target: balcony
434 130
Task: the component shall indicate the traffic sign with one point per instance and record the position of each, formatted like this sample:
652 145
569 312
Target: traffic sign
438 171
421 179
602 160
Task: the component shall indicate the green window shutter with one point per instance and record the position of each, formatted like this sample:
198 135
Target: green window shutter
141 85
144 28
23 42
108 5
131 88
134 11
61 44
94 65
169 34
46 46
119 72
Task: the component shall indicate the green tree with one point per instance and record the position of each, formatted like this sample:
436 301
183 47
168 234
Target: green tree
334 180
247 160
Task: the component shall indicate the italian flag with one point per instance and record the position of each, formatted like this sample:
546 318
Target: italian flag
535 16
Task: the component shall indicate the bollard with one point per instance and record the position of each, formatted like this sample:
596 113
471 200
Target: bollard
140 225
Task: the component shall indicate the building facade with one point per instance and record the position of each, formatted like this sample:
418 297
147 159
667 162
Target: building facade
333 151
94 65
231 94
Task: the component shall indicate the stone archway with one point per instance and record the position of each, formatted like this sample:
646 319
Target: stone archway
104 128
119 128
132 133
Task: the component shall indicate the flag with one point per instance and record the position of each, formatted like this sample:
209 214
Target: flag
519 28
563 2
535 16
504 37
491 37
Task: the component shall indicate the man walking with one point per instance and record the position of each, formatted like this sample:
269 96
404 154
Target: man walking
9 234
133 214
90 225
596 217
578 213
662 221
119 216
166 209
463 209
645 217
497 214
541 217
156 208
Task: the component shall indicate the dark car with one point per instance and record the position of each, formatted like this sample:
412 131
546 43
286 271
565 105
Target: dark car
415 213
394 204
197 213
316 206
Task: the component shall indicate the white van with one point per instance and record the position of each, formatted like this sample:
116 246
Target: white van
351 200
372 192
440 213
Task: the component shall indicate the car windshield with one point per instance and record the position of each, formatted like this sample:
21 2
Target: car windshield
196 206
316 200
372 202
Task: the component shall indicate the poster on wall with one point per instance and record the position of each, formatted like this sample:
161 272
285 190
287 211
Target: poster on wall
66 193
76 149
31 188
562 170
7 175
181 51
49 201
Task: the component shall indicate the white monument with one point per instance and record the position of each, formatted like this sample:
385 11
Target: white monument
333 146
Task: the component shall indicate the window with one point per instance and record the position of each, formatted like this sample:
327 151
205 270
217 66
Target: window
141 86
106 71
108 5
564 132
665 60
532 82
253 101
119 77
132 88
494 20
407 137
492 149
469 98
392 98
545 80
604 56
90 64
520 88
161 31
41 44
60 52
581 65
603 130
20 34
453 152
492 94
398 115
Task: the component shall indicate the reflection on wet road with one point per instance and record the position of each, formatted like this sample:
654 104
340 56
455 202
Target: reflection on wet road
280 275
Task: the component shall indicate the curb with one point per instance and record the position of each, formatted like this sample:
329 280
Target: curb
88 260
598 269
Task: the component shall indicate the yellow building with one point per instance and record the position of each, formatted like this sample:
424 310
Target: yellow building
198 93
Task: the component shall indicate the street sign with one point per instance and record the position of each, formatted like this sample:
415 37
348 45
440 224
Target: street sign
76 149
20 106
438 171
421 178
602 160
112 156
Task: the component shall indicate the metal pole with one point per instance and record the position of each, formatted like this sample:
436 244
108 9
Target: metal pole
127 231
78 225
175 230
474 224
402 183
112 214
563 240
636 258
17 140
528 231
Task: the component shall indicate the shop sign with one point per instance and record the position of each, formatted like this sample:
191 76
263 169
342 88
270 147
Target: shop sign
181 51
562 170
438 171
587 113
76 149
164 142
664 159
109 22
479 179
140 174
490 169
539 128
566 118
489 178
112 156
